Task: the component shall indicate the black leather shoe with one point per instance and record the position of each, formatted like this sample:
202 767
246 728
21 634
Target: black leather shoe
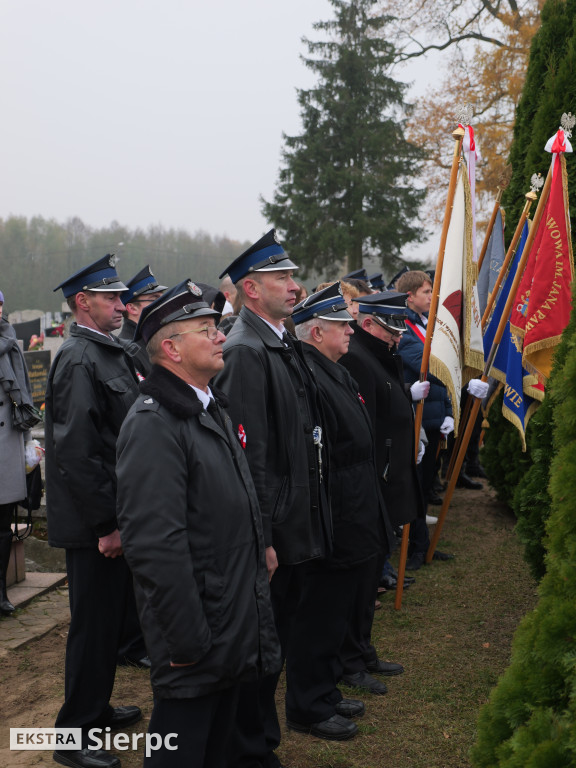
350 708
466 482
387 668
365 681
124 716
434 499
87 758
442 556
476 470
389 582
6 606
336 728
415 561
127 661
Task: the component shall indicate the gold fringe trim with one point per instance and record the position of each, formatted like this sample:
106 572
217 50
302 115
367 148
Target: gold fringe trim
566 213
513 419
528 385
440 370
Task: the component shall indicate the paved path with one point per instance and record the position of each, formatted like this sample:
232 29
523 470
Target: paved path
37 610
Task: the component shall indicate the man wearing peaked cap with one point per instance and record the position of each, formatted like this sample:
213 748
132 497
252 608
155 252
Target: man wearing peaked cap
313 702
142 290
266 255
91 386
275 409
376 281
373 362
359 279
101 276
198 540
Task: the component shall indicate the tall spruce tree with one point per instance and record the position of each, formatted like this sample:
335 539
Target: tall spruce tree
549 90
347 186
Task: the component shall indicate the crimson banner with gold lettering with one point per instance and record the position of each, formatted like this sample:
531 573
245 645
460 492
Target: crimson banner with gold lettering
550 297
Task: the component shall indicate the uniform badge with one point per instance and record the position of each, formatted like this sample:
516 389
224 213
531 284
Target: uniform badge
193 288
112 260
361 399
242 436
276 238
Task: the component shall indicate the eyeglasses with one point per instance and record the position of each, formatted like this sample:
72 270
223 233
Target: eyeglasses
210 330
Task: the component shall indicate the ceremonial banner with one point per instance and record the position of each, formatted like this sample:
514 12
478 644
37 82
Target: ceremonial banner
492 263
500 363
521 390
543 304
457 339
550 301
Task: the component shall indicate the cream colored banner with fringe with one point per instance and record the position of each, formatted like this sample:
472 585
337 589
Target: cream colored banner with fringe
446 349
457 353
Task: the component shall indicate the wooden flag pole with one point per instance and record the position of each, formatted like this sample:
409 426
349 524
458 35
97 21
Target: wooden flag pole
489 362
530 197
458 136
490 228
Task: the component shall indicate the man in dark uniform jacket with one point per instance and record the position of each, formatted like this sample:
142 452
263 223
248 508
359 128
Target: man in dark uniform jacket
192 535
275 411
374 364
361 531
143 289
91 386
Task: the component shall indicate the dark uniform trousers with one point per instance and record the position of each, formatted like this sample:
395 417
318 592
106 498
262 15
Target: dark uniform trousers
357 650
202 726
257 734
313 605
313 667
100 593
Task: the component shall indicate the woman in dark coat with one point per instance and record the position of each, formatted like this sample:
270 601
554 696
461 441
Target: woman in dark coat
14 386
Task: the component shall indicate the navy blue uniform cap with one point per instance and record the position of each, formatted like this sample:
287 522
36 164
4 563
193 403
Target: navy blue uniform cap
327 304
183 302
358 274
376 281
141 284
266 255
387 306
100 276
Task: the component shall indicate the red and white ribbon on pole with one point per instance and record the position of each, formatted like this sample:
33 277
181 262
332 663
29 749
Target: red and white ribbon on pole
557 144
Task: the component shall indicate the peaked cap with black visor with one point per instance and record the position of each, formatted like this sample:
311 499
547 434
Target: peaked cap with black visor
327 304
183 302
140 285
99 276
388 308
266 255
358 274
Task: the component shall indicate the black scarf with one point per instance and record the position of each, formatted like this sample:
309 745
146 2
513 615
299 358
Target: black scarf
13 374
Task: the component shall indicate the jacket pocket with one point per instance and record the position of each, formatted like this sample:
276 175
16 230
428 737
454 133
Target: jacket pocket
213 600
121 392
280 506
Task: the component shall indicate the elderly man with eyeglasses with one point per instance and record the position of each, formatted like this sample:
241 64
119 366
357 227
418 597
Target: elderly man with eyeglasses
192 534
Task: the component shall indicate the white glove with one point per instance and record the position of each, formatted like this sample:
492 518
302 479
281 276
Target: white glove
419 390
478 388
421 449
447 425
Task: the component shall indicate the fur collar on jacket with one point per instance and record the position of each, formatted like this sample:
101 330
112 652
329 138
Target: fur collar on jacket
174 394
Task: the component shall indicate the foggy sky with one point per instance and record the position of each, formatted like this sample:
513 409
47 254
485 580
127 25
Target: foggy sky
147 112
